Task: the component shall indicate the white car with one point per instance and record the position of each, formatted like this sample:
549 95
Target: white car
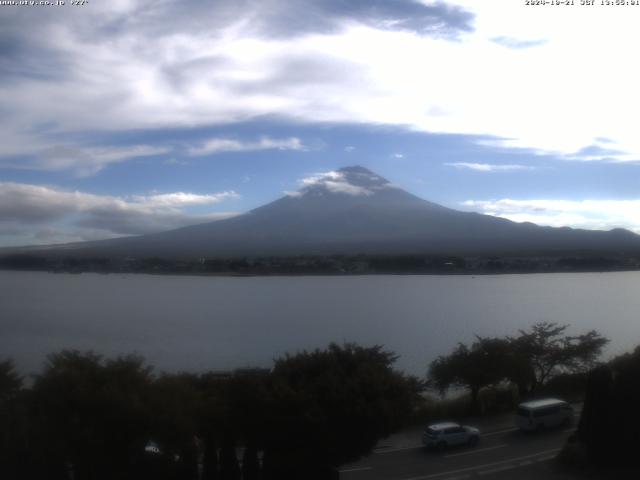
152 447
448 434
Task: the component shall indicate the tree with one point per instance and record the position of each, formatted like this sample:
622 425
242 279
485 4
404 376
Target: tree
247 399
10 381
210 419
12 421
91 415
482 364
597 415
544 352
610 419
329 407
173 405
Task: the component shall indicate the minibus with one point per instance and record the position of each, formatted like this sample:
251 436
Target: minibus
544 413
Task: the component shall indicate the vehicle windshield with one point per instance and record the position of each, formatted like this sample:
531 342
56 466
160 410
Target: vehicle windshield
523 412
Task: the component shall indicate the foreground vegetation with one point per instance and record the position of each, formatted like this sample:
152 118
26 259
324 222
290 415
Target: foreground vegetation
85 417
532 360
90 418
609 429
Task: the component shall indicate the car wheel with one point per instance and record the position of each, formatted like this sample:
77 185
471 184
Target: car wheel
473 441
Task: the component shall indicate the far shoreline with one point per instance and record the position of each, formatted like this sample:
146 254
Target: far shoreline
320 274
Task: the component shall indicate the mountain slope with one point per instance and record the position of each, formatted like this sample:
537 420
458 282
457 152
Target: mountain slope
354 211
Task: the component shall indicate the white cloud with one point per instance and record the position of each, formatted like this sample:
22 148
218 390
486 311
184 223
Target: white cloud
397 155
333 181
34 208
152 65
82 161
175 161
589 214
487 167
511 42
221 145
181 199
293 193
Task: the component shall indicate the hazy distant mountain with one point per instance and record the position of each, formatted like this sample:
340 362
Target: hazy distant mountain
354 211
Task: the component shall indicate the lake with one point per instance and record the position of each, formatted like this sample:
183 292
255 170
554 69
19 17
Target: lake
198 323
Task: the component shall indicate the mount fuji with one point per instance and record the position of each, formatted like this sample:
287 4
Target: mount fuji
355 211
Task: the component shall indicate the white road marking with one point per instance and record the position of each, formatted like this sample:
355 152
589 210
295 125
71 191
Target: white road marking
497 469
475 450
357 469
544 459
486 465
399 449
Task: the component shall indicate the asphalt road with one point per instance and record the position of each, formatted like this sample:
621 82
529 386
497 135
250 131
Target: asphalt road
502 453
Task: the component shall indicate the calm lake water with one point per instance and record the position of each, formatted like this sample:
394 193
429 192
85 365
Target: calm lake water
197 323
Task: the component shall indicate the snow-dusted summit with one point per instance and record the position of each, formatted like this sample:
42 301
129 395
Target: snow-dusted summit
354 211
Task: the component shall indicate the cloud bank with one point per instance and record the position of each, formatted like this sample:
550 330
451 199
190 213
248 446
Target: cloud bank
82 162
487 167
516 43
221 145
588 214
33 211
429 66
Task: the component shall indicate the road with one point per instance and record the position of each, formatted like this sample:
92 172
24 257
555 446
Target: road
503 453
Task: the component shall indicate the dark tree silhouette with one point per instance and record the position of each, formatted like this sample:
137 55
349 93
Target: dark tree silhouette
544 351
229 466
10 381
595 420
529 360
210 419
91 415
13 421
610 422
90 418
482 364
250 464
173 405
329 407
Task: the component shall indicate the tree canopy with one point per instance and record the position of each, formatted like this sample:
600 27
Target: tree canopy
473 367
529 360
339 402
10 380
610 411
96 418
547 351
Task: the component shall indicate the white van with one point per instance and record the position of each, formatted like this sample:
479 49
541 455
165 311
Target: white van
539 414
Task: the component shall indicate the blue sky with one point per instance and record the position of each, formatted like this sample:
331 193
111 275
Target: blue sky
129 117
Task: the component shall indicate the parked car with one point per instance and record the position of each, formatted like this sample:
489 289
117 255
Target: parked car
448 434
152 447
544 413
